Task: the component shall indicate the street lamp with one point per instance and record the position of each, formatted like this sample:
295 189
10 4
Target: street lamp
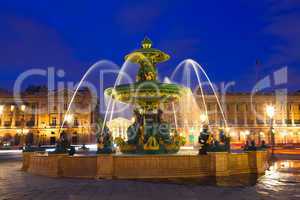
23 107
271 112
1 109
1 112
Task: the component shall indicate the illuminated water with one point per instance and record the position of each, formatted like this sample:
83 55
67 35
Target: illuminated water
100 64
184 75
281 181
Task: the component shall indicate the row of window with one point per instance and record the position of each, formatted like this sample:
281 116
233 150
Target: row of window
53 122
29 123
242 107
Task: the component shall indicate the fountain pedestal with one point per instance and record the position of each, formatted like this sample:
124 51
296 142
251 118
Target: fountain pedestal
106 166
112 166
257 161
26 160
219 165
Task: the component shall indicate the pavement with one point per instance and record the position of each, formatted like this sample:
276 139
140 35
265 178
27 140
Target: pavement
16 184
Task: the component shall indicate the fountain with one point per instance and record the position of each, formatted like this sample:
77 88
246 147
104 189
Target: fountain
151 146
148 133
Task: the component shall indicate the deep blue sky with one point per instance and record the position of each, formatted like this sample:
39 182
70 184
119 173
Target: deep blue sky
226 37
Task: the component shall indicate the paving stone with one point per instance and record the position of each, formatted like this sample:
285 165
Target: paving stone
16 184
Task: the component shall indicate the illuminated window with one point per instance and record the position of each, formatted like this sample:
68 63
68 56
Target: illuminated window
76 123
208 106
53 121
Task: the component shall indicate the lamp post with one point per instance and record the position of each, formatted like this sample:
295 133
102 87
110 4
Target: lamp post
23 107
270 110
1 113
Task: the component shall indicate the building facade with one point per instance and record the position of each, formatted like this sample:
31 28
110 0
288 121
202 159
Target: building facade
41 114
246 117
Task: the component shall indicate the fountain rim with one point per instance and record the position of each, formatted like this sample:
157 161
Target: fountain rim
146 90
155 55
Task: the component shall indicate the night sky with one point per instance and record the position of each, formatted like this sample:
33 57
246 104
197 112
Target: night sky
226 37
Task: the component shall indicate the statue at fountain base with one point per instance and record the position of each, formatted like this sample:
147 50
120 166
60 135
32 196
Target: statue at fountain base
105 142
149 135
209 144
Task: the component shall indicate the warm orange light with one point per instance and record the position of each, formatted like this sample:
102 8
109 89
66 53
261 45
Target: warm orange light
69 118
270 111
1 109
23 107
203 118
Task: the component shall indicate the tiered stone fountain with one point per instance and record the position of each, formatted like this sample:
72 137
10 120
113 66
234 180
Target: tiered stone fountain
148 133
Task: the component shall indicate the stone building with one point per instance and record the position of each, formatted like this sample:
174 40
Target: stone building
41 114
246 117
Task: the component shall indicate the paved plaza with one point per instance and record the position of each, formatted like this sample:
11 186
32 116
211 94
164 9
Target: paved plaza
15 184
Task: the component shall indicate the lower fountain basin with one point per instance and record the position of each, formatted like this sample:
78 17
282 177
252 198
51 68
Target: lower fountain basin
124 166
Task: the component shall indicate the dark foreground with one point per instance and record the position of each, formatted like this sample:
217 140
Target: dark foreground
282 181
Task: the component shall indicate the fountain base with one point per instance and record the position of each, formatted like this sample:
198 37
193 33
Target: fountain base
124 166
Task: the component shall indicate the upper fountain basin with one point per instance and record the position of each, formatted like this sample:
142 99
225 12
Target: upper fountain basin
145 92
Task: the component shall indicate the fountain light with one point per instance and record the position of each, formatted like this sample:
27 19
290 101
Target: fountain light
12 108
